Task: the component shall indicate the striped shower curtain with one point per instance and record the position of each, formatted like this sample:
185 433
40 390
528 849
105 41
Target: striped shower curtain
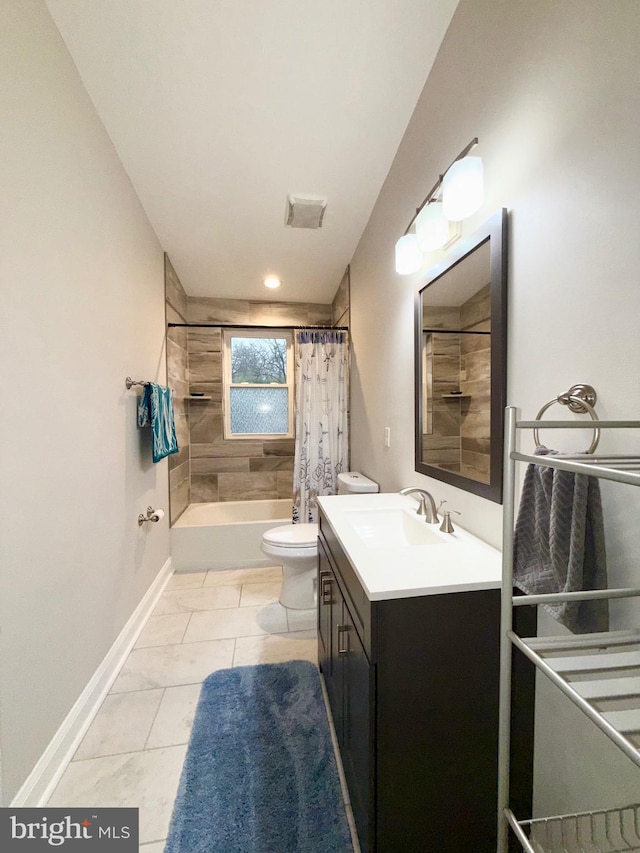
322 442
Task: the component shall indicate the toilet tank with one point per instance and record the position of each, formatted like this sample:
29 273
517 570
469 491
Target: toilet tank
352 483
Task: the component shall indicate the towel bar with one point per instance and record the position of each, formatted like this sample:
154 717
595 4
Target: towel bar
129 382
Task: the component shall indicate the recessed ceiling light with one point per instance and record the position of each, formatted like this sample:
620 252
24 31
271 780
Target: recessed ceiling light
272 281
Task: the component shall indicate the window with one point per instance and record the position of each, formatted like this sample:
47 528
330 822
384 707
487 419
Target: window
258 384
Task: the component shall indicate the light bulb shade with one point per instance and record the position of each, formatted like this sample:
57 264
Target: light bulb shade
408 256
463 188
432 228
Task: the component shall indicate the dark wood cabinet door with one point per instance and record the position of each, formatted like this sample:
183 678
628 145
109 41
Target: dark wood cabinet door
330 607
357 735
326 584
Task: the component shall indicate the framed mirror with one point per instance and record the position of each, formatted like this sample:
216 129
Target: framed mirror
460 364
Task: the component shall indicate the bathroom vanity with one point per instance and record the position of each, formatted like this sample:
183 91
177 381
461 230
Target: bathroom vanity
408 627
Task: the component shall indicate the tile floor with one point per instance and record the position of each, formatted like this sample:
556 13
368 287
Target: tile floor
133 752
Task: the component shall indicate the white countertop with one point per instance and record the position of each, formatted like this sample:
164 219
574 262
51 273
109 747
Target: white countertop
457 562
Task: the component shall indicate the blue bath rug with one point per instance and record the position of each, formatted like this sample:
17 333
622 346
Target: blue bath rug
260 774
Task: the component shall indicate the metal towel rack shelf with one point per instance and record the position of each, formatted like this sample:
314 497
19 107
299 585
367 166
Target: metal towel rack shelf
590 669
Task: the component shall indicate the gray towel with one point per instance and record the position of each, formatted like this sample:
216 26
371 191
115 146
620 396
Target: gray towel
559 543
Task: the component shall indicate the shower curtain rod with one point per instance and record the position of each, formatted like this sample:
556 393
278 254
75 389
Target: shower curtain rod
249 326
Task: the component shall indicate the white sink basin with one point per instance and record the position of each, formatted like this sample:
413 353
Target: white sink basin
392 528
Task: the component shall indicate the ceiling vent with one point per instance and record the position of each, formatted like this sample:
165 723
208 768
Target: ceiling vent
304 211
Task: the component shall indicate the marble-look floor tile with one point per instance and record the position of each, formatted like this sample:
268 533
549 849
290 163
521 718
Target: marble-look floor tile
154 847
121 725
260 593
186 580
259 575
163 630
298 645
302 620
169 666
205 598
236 622
146 780
174 719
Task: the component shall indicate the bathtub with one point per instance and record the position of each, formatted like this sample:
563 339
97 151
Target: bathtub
225 535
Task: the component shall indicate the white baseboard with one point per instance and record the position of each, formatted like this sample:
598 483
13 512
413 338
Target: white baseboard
219 565
44 777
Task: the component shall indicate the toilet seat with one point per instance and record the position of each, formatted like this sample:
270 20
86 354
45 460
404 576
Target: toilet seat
294 536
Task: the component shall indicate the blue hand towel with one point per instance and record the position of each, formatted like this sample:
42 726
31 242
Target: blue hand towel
155 407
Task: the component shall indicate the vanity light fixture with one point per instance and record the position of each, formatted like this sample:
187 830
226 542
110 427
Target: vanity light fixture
272 282
456 195
463 189
432 227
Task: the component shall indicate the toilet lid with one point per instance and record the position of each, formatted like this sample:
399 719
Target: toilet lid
292 535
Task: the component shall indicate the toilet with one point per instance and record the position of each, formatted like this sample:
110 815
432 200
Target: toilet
295 547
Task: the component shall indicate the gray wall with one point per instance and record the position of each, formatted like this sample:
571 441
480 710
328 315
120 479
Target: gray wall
551 90
83 302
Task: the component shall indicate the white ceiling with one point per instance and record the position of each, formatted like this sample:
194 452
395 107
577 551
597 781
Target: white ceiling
220 108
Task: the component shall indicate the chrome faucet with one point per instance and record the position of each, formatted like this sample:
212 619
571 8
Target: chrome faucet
427 504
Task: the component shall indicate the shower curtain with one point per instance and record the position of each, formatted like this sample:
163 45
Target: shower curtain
321 429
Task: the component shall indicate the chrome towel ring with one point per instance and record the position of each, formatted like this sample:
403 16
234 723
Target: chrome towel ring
579 398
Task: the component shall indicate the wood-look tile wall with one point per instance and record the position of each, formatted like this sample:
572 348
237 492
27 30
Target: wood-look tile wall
340 307
459 439
475 374
177 379
235 469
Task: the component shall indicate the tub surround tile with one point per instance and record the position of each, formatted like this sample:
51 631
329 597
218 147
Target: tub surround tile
178 474
184 580
340 304
174 316
184 601
271 463
225 464
205 422
244 449
207 310
176 359
170 666
285 485
204 488
148 779
236 622
319 315
240 487
204 366
241 576
163 630
176 460
174 291
121 725
276 648
179 499
279 447
278 313
174 720
263 593
204 340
